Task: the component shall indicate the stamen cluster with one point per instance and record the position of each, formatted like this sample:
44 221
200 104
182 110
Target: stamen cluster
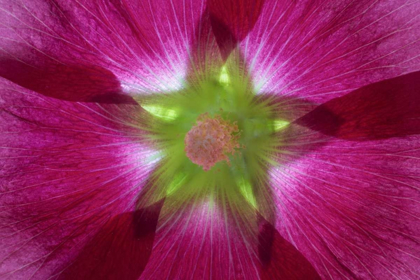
211 140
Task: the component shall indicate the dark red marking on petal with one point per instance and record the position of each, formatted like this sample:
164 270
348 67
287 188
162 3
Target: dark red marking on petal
68 82
232 20
224 37
114 98
120 250
389 108
205 54
280 259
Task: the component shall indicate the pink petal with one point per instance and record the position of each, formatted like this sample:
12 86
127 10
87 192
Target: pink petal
390 108
120 250
145 44
350 207
199 242
67 169
225 240
321 50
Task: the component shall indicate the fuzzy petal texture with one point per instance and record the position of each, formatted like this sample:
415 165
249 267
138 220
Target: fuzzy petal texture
324 49
222 239
68 169
98 47
345 192
351 204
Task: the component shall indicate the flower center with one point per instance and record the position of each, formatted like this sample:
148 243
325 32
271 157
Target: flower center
211 140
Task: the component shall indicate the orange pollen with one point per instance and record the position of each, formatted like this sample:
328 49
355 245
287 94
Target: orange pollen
210 140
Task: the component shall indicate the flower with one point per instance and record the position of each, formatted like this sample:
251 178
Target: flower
315 105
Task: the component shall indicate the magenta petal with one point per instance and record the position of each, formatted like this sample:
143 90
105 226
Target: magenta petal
279 259
229 240
320 50
352 208
68 168
390 108
120 250
204 241
144 44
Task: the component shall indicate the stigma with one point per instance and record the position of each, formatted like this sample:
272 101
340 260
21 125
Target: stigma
211 140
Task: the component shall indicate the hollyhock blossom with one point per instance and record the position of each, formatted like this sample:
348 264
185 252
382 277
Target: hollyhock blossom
209 139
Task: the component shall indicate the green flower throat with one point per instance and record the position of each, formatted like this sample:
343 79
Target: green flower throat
227 106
